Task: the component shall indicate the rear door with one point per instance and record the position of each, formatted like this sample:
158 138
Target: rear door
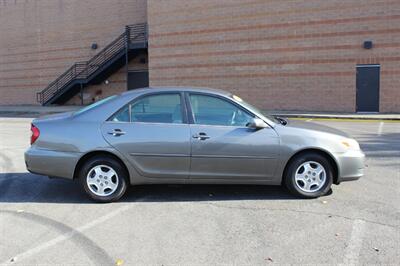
152 132
223 148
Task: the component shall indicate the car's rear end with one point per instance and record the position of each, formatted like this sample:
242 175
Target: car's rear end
58 141
48 155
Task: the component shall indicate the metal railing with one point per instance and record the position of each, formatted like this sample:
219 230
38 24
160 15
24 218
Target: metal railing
134 34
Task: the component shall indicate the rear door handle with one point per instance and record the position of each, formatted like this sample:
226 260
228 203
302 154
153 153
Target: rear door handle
117 132
201 136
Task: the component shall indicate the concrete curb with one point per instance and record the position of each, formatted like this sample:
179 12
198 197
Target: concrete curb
336 117
24 114
342 116
34 111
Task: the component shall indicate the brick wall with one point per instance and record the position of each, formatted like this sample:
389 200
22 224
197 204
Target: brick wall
287 55
39 40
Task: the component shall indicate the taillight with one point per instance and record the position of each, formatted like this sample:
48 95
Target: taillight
35 133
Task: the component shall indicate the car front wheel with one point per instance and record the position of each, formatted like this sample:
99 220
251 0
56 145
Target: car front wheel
103 178
309 175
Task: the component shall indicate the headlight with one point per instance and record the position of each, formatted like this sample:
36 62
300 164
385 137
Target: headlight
350 144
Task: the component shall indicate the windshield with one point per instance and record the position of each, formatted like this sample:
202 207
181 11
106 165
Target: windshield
254 109
93 105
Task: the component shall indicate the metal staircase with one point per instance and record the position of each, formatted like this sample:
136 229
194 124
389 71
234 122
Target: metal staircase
107 61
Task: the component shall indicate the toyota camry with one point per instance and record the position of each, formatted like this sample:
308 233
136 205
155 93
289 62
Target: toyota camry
174 135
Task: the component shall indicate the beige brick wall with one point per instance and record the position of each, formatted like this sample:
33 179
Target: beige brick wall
39 40
285 55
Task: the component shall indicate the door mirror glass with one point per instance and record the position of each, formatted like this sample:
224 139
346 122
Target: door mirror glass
256 123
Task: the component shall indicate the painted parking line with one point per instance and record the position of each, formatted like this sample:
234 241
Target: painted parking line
65 236
355 243
380 128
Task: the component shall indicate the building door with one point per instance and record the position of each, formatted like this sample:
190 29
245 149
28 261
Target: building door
367 96
138 79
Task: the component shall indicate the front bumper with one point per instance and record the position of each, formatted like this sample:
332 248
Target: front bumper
51 163
351 165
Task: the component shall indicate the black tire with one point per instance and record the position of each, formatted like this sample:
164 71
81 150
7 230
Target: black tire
121 175
295 163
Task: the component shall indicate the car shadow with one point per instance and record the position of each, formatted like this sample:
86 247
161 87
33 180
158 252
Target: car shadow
31 188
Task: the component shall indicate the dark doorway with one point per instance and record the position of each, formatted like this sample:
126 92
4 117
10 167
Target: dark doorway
138 79
367 96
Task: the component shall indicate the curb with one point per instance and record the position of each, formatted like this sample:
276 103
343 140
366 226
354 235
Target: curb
342 118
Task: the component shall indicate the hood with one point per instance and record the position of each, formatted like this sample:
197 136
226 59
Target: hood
53 117
316 127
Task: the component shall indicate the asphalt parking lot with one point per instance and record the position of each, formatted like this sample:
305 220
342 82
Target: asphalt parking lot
47 221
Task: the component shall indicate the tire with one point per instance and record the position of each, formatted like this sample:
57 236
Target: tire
303 176
103 178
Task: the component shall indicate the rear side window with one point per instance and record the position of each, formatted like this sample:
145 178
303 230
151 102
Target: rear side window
122 115
160 108
94 105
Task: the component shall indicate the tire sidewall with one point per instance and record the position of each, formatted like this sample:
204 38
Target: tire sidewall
116 166
291 172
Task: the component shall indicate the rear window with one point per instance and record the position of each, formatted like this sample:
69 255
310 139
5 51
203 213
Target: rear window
158 108
93 105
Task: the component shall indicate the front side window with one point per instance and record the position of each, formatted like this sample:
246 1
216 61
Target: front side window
209 110
161 108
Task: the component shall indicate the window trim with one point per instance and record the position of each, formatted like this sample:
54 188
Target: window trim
227 99
138 98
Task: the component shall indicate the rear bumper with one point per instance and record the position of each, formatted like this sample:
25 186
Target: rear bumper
351 165
51 163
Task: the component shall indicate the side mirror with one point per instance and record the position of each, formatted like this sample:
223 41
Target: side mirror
256 123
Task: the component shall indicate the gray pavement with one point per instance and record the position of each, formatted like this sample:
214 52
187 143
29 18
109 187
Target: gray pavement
49 222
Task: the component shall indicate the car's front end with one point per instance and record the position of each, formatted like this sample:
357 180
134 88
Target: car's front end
350 161
343 150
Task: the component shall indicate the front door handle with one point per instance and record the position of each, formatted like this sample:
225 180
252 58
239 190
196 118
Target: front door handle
117 132
201 136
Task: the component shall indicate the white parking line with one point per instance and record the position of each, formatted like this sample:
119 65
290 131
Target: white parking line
380 128
355 243
66 236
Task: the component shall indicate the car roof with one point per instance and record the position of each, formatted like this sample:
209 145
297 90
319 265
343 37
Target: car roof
176 88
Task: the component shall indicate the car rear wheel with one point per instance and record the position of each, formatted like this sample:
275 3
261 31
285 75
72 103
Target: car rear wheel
103 178
309 175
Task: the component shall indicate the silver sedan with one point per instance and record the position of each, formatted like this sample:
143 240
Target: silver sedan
188 136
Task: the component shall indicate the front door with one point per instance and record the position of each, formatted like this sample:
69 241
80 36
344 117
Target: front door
368 88
153 134
223 148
